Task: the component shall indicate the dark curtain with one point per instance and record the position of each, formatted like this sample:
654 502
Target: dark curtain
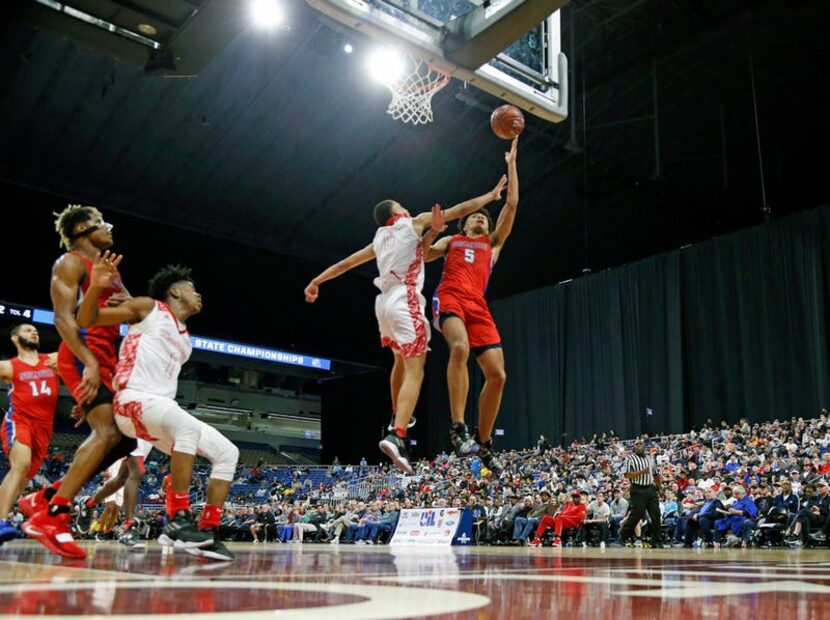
731 327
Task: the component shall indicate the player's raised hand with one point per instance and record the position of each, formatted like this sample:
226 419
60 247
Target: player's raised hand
104 269
116 299
510 156
311 292
438 223
499 188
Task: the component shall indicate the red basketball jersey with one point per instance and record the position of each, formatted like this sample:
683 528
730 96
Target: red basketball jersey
467 266
102 341
34 391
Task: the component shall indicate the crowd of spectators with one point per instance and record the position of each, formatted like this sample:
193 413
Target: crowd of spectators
736 485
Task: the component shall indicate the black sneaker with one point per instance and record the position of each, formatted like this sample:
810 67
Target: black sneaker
462 442
391 427
84 519
129 540
181 532
216 551
490 460
395 448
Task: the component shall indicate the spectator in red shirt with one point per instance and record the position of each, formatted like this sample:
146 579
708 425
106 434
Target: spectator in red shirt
570 517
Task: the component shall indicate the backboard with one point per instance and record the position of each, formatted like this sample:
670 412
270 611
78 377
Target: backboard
508 48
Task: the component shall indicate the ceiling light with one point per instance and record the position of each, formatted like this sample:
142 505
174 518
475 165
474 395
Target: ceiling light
147 30
386 65
348 48
266 13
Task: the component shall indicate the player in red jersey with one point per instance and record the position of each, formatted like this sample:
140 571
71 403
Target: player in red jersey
27 426
460 312
86 364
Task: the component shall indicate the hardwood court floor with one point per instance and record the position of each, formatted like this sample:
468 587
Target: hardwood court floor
353 582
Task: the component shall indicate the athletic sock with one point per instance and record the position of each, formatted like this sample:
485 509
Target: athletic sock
58 505
177 502
211 516
400 432
91 503
49 492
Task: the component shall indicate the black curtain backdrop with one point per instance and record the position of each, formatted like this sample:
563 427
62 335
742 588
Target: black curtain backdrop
732 327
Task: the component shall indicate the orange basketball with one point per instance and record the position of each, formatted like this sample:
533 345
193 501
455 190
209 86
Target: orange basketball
507 121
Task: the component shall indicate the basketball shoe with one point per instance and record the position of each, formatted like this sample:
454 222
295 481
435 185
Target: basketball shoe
395 448
50 527
462 441
182 533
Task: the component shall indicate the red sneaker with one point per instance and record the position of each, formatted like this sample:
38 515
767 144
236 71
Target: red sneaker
32 503
557 542
536 542
52 531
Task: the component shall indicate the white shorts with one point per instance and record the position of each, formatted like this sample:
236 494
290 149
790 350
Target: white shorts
161 422
403 325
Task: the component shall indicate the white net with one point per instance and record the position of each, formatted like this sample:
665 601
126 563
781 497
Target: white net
412 94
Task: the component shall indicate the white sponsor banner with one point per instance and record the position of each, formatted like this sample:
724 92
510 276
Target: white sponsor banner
427 526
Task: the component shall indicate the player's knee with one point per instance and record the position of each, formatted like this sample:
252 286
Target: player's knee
459 349
107 434
224 462
20 465
497 376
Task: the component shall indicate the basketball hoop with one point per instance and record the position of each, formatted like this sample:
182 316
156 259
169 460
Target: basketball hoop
412 94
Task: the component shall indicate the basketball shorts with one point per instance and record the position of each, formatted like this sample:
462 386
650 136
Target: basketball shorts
161 422
71 371
481 328
28 431
402 322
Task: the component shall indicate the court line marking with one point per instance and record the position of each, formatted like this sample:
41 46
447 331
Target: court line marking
381 601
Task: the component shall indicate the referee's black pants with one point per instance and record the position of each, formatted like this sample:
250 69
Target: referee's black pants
643 499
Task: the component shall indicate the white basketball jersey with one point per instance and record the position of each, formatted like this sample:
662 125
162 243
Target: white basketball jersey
152 354
400 256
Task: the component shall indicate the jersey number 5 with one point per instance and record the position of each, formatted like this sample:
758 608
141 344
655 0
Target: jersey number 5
45 390
470 255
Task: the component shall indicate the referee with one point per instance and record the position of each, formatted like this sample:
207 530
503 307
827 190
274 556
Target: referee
645 483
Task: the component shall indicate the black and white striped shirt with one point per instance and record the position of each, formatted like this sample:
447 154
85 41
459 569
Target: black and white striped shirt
640 463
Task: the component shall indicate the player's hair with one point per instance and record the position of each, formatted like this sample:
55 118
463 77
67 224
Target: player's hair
484 212
66 220
383 211
16 329
159 285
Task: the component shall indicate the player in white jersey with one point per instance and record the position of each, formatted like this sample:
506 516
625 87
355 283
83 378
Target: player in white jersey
398 248
146 379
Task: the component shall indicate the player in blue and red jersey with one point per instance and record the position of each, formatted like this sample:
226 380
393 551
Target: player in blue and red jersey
86 364
27 426
460 312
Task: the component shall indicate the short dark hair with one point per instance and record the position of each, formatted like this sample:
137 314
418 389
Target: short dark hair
16 329
484 212
159 285
383 211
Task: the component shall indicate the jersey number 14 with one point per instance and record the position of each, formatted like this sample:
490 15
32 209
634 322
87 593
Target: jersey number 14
45 390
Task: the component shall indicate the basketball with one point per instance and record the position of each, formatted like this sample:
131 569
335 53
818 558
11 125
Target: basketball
507 121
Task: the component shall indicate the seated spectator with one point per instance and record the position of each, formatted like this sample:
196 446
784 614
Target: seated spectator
619 508
739 519
597 518
570 516
524 526
812 514
787 499
702 522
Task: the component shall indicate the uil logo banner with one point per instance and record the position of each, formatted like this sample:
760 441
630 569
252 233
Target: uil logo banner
427 526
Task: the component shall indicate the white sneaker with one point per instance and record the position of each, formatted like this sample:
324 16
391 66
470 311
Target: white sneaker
584 545
336 541
256 541
602 545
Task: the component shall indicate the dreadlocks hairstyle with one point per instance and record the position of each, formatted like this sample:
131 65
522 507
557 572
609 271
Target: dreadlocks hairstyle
484 212
66 220
383 211
160 284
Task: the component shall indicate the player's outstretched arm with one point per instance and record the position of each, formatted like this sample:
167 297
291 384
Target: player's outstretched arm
437 250
104 273
504 225
312 291
455 212
437 225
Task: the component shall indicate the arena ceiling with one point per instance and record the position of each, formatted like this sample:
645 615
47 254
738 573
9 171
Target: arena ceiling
282 142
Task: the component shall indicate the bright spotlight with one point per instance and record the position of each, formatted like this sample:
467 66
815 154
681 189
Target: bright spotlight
266 13
348 48
386 65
